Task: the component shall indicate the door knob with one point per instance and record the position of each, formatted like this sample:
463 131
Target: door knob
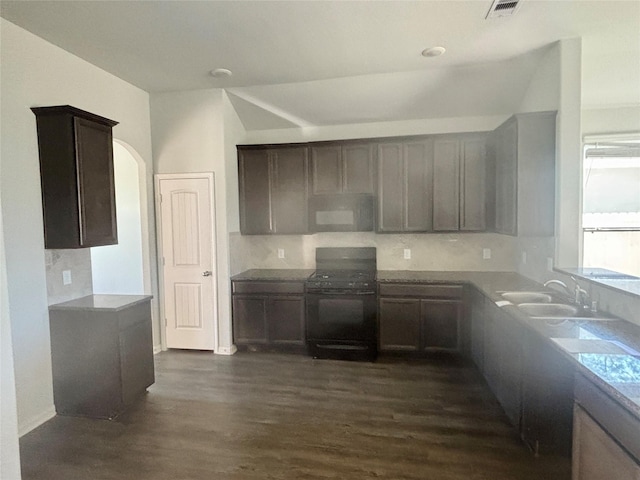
206 273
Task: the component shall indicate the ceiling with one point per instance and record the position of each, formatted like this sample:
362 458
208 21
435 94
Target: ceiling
299 63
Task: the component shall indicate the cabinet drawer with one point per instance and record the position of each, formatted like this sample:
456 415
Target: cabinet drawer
417 290
268 287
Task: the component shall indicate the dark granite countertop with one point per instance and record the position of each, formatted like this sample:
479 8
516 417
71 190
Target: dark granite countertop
274 274
605 352
606 278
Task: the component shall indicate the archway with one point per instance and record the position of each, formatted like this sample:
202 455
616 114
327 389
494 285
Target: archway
120 269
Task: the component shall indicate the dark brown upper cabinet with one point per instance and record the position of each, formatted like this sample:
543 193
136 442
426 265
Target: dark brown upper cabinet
459 183
342 167
405 178
524 174
76 172
273 189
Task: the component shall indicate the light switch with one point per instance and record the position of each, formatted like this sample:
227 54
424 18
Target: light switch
66 277
281 253
486 253
407 254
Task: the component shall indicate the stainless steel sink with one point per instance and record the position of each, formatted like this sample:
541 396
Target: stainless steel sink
549 310
527 297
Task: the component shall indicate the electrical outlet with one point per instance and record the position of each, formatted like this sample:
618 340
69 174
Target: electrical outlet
524 257
407 254
281 253
66 277
486 253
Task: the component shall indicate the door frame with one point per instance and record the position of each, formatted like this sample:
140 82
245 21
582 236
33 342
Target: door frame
210 177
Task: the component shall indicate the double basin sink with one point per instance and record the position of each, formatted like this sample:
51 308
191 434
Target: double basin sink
542 305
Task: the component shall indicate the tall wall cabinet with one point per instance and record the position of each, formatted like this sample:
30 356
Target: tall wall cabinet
76 172
524 165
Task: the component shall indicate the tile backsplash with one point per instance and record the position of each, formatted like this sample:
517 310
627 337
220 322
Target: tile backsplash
78 262
428 251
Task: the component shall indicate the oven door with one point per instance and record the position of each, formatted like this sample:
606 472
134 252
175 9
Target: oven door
341 321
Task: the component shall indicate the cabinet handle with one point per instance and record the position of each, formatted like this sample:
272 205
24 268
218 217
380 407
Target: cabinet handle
206 273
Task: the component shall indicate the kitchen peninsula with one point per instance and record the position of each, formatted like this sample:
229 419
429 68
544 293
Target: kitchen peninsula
532 365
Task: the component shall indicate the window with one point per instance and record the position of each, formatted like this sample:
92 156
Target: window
611 207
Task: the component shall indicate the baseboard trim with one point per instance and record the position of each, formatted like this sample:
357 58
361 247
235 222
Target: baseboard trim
36 421
227 350
157 349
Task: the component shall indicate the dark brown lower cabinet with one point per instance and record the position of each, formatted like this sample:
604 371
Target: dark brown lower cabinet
269 313
419 318
547 390
399 328
477 314
102 354
606 436
532 381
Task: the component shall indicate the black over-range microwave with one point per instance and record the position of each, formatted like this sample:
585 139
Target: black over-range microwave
341 213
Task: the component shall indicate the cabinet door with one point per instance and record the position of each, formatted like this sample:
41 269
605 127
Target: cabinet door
597 456
255 192
390 187
399 324
506 162
446 185
536 174
289 189
491 351
405 176
285 319
249 319
358 168
509 347
326 169
418 185
473 185
477 329
548 383
440 324
96 185
136 359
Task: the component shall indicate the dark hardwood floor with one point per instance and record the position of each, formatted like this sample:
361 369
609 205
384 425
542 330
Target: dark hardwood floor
271 416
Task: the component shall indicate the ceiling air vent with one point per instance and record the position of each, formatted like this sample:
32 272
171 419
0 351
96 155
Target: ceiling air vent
503 8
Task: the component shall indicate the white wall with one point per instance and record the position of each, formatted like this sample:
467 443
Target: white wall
234 134
188 137
37 73
9 448
117 269
375 130
611 120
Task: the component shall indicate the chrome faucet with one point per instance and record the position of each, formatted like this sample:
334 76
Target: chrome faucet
559 283
579 295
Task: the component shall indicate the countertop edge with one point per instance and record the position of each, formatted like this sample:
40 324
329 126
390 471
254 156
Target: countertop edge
78 305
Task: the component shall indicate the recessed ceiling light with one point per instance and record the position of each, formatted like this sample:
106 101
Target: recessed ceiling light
220 73
433 51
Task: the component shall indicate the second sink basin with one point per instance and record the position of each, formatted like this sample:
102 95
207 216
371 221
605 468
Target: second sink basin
526 297
558 310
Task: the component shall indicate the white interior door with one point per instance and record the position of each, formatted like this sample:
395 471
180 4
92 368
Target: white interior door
187 220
